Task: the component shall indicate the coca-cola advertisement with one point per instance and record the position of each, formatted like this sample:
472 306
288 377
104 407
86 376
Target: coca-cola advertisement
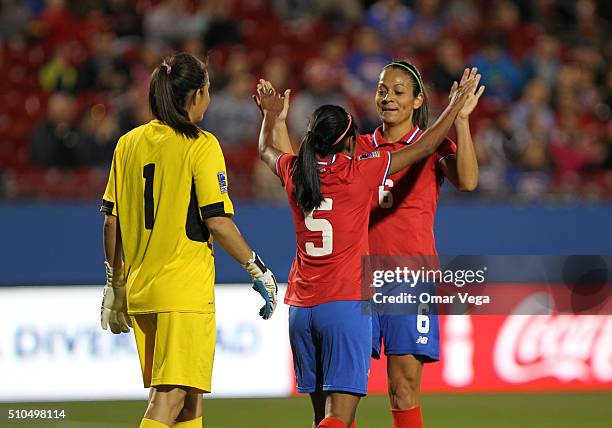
503 353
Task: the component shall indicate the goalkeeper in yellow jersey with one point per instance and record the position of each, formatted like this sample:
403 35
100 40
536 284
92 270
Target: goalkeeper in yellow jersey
165 201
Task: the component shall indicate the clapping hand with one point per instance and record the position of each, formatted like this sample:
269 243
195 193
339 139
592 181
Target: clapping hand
271 102
471 78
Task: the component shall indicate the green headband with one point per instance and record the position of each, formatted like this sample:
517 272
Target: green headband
405 67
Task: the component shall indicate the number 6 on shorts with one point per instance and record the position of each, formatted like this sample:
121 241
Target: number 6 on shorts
422 318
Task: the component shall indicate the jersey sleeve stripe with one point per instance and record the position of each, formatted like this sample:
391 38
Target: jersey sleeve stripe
213 210
448 156
410 139
387 170
107 207
277 161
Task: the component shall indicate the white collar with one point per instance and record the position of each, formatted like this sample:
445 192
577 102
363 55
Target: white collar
409 141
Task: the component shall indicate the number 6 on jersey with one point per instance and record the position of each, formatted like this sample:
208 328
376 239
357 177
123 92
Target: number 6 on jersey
385 197
323 226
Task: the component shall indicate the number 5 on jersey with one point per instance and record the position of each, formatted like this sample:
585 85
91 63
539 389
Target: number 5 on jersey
323 226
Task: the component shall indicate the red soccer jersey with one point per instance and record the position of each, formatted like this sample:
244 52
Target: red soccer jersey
403 210
332 239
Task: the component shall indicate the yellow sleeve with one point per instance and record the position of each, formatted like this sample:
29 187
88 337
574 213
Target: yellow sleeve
109 200
210 177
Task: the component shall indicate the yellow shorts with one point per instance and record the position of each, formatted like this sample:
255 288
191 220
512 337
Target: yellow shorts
176 348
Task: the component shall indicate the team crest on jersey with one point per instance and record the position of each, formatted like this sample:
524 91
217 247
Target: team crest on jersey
369 155
222 182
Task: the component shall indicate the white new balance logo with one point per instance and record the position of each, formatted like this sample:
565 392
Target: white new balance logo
421 340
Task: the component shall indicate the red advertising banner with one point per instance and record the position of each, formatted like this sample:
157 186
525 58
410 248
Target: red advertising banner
510 353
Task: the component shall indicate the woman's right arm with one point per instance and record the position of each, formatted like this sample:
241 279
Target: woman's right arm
433 137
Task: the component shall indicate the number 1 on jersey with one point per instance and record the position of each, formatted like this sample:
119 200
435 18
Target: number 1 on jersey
148 174
323 226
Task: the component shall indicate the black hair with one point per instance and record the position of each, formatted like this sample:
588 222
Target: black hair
420 117
327 124
173 85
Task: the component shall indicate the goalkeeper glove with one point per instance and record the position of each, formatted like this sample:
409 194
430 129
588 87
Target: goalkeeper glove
264 283
114 304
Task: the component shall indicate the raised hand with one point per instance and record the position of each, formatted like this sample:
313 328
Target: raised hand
269 101
471 96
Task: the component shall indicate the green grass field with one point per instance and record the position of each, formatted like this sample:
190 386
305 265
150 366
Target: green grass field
440 410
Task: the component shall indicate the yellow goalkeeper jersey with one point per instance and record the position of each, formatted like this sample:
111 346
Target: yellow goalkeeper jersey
161 187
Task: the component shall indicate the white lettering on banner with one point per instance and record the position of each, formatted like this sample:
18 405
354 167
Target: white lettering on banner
458 351
52 347
241 338
601 362
566 347
41 341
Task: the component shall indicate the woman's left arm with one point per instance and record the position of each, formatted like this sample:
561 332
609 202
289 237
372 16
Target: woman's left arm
462 169
273 137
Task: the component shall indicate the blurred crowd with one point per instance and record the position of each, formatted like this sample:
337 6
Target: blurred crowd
75 77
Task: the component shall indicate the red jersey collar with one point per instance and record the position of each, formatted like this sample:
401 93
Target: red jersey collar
378 139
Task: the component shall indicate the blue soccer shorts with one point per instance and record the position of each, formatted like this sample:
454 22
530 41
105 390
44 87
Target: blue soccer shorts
406 328
331 345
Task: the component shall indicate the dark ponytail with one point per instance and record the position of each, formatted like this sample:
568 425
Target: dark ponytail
329 128
306 179
420 117
173 84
